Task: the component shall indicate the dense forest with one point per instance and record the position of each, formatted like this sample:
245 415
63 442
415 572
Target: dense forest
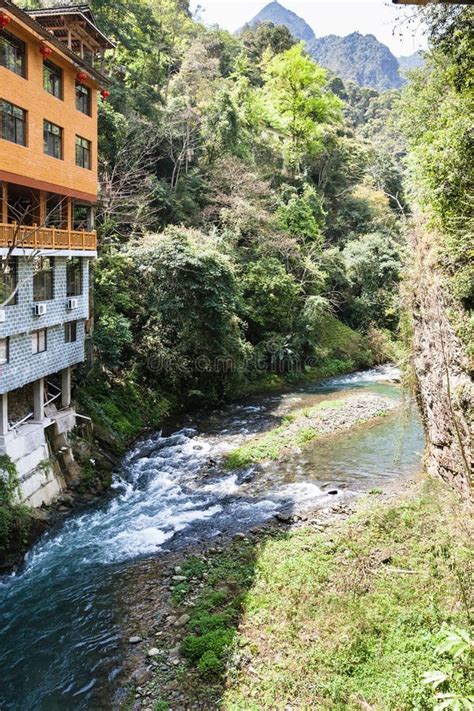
250 217
264 224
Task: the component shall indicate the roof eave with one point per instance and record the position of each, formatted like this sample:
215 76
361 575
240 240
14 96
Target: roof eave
73 10
51 39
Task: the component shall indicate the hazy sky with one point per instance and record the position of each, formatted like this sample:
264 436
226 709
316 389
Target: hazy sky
338 17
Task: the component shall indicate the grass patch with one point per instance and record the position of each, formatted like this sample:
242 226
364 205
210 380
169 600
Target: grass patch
356 621
362 616
214 617
271 445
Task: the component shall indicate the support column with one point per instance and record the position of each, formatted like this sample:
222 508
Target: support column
42 209
69 213
38 400
4 205
3 414
66 387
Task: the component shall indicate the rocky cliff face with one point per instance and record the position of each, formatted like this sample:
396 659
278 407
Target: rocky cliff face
444 380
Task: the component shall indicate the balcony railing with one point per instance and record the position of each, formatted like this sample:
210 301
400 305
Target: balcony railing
40 238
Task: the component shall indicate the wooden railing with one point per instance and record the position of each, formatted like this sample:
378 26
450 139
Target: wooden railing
46 238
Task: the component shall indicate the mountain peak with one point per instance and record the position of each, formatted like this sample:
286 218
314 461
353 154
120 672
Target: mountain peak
280 15
359 58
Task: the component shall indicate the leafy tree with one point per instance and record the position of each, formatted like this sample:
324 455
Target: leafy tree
270 297
373 266
190 333
302 215
298 105
259 40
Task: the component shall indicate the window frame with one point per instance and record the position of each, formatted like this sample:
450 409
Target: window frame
12 40
6 341
57 72
36 340
9 281
15 121
70 332
43 288
47 125
83 152
74 281
82 91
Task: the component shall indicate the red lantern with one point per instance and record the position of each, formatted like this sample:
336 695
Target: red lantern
45 50
81 77
4 19
105 94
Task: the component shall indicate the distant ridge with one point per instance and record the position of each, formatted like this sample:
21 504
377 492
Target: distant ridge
356 57
359 58
279 15
411 61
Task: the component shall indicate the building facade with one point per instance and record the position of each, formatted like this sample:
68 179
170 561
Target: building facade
49 88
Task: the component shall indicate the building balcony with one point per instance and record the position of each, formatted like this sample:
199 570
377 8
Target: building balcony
39 238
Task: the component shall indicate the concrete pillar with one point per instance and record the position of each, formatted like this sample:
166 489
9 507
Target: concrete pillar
38 400
3 414
66 387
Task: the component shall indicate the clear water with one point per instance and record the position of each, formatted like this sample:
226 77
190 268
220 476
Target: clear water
60 635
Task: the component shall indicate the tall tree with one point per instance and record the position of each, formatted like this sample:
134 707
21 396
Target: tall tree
298 104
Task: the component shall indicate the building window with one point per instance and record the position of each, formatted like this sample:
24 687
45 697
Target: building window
70 332
83 98
52 140
43 279
39 341
8 281
53 79
13 123
83 152
74 276
4 350
12 53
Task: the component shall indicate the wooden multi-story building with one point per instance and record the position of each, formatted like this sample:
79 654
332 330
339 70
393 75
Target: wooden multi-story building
50 85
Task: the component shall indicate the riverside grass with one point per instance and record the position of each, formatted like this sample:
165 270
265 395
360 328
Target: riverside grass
346 619
297 429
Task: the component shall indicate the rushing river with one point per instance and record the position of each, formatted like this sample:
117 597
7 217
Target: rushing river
60 639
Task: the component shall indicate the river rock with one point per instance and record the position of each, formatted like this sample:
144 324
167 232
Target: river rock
178 578
153 652
284 517
135 640
181 621
142 675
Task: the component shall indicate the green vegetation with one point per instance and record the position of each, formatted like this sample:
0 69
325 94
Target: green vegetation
436 114
255 243
273 444
14 518
374 612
